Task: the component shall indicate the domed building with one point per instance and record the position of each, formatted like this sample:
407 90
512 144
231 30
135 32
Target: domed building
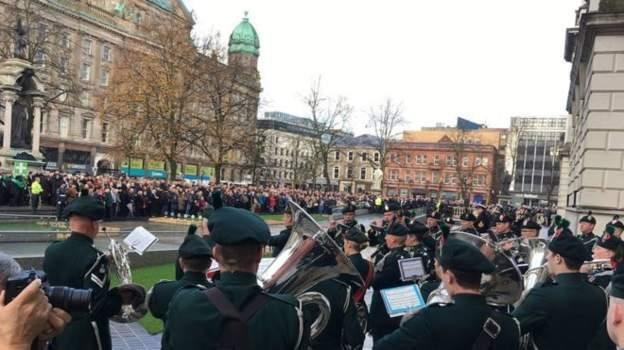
244 45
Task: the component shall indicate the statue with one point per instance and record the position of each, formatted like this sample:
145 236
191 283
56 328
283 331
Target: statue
20 40
377 177
20 133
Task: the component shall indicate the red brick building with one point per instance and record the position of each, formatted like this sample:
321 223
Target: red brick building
436 170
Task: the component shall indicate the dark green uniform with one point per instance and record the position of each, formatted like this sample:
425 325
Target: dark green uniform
453 326
76 263
279 241
564 314
343 326
163 292
195 323
362 265
588 240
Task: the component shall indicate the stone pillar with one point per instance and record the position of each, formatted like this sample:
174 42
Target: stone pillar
61 154
8 97
36 131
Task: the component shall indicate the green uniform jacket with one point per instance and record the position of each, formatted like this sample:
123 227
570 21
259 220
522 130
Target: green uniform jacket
343 326
454 326
76 263
387 275
163 292
565 314
279 241
193 322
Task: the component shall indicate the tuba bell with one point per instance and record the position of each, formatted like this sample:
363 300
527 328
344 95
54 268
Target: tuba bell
119 256
309 257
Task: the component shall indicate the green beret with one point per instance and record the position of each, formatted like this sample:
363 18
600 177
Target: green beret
467 216
348 209
531 225
356 235
391 207
459 255
557 219
417 229
502 218
86 206
608 240
193 245
617 285
568 246
232 226
588 218
563 223
434 215
397 229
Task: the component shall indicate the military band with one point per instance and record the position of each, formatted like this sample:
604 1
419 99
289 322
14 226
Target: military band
566 309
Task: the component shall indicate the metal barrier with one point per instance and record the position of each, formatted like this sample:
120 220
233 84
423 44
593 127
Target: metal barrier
27 217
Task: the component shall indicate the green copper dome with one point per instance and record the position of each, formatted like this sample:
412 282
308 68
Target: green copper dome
244 39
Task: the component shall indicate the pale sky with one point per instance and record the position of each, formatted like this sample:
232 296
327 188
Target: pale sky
484 60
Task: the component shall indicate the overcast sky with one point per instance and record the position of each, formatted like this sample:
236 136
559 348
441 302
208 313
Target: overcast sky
484 60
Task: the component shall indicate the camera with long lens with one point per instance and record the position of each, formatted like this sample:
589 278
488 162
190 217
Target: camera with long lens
66 298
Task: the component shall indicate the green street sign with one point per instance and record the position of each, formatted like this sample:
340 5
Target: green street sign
20 167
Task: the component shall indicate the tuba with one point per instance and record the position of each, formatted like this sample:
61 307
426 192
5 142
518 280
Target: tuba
119 255
309 257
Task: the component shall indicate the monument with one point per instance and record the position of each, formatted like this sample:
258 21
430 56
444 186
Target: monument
21 101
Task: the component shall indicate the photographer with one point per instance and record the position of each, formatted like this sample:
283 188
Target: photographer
29 315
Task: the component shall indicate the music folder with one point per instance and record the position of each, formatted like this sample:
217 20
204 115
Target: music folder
402 300
411 268
140 239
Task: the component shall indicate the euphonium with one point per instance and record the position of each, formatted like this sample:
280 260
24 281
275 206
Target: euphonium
119 255
309 257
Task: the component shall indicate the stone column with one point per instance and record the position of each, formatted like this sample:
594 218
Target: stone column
36 131
8 97
61 154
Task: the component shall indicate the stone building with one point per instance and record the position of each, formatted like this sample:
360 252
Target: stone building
90 35
353 162
592 172
288 156
530 159
434 170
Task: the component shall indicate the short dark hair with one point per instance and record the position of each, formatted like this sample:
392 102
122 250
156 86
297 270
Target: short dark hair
197 263
467 279
572 264
240 255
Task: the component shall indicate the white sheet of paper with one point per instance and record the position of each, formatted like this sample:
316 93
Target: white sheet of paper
411 268
402 300
140 239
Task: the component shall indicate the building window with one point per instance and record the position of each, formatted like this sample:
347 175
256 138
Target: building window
276 139
105 132
65 41
485 161
275 150
40 58
364 156
280 163
350 156
63 65
64 125
85 99
408 158
85 72
286 163
363 173
465 162
477 161
85 130
436 160
337 155
104 75
376 157
451 161
107 54
336 172
435 177
87 47
349 172
394 174
281 151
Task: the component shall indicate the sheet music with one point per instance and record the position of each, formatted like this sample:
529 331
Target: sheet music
402 300
411 268
140 239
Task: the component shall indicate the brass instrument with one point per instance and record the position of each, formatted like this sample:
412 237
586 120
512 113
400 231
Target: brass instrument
119 255
597 266
309 257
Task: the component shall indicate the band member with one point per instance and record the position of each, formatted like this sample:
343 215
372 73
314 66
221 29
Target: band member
467 221
432 223
474 324
336 230
387 275
586 226
483 221
195 257
565 313
378 230
606 248
530 229
415 246
76 263
618 225
522 214
502 230
279 241
553 225
355 241
615 315
196 318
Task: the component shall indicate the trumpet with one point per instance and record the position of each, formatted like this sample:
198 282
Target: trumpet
597 266
119 255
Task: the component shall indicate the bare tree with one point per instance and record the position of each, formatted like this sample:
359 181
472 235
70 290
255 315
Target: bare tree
156 94
385 119
226 125
514 136
465 162
302 161
329 118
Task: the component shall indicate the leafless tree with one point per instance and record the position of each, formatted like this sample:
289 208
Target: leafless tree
385 119
329 117
464 164
514 136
